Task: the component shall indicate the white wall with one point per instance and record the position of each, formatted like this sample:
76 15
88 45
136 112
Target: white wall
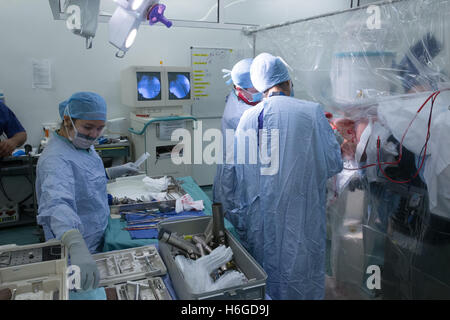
27 30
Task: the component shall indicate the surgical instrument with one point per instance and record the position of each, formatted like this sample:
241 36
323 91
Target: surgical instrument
202 242
218 223
149 263
174 240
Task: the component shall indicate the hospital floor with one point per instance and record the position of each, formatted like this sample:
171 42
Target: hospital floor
22 235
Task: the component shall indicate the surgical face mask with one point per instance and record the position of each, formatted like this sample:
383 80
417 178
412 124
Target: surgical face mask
82 141
292 89
250 96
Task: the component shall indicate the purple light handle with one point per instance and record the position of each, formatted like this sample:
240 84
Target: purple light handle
157 15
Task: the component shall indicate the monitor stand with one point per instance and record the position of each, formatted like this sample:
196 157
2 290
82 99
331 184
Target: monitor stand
157 112
153 136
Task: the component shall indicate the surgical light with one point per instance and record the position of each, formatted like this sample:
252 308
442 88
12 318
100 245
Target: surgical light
127 18
131 38
136 4
121 26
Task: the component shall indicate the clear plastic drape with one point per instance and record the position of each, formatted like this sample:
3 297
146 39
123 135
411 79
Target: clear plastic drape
382 74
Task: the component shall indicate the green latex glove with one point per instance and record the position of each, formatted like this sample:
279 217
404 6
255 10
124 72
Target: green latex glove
128 168
81 257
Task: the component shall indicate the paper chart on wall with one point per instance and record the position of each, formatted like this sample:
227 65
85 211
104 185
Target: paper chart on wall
42 78
209 87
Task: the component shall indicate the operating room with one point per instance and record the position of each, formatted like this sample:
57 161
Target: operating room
238 149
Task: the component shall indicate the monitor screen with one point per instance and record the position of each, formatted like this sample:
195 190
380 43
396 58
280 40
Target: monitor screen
148 86
179 85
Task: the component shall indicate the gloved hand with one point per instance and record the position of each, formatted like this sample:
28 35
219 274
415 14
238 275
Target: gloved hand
81 257
127 168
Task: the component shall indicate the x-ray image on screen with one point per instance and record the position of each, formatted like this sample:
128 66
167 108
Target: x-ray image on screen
149 86
179 85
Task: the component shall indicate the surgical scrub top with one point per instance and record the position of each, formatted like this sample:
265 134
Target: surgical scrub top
71 192
223 188
8 122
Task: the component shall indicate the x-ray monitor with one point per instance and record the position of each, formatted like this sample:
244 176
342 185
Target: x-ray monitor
148 86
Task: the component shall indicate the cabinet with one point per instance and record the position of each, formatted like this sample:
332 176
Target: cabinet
18 203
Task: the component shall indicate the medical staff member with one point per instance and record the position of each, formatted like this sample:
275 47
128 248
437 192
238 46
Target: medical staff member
12 128
242 97
282 205
71 183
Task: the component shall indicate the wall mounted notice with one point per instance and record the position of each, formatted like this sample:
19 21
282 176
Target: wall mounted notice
209 86
42 77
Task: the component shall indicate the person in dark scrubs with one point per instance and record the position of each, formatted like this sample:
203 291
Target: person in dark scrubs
13 129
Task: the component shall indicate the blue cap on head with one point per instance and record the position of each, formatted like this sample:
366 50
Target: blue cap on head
85 106
240 74
267 71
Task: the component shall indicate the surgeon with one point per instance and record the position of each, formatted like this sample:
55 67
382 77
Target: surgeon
283 209
242 97
71 183
13 129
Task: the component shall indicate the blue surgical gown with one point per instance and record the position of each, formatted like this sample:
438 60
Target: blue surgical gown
8 122
246 177
223 188
282 216
71 192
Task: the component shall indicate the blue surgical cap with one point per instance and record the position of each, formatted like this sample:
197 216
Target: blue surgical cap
240 74
85 106
267 71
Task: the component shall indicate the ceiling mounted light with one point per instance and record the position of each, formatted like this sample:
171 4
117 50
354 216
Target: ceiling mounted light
125 21
131 38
